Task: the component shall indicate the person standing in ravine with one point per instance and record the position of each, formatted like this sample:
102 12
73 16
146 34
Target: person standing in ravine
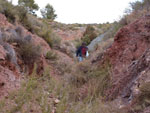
82 52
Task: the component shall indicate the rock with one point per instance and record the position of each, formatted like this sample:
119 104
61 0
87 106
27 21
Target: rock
128 56
56 101
98 40
11 53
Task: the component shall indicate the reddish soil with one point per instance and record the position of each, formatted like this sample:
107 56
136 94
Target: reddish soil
129 45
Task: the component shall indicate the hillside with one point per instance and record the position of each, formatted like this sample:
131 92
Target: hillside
15 43
129 53
39 72
129 60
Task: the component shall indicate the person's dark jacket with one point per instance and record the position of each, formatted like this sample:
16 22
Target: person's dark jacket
79 51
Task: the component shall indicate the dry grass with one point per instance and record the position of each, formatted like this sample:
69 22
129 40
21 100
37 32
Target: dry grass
37 95
51 55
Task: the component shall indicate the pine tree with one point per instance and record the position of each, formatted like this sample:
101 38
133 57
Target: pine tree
48 12
29 5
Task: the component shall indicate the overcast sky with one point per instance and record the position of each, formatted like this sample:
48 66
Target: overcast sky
86 11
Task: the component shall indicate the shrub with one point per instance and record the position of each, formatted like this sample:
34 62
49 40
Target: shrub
7 9
51 55
136 10
89 34
144 97
142 100
13 13
29 52
42 29
30 22
62 67
123 21
80 74
21 14
29 5
48 12
56 40
86 39
85 75
102 78
45 34
77 42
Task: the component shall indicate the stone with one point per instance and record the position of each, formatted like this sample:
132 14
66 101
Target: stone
56 101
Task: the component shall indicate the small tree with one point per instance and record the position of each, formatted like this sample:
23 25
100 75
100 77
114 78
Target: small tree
135 6
89 34
48 12
29 5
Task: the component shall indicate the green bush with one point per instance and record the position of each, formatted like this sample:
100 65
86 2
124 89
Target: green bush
56 40
46 35
136 10
48 12
30 22
13 13
42 29
7 9
89 34
29 5
86 39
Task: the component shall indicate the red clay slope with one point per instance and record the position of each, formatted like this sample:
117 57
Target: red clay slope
129 45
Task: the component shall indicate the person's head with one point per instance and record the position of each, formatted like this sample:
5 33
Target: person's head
83 44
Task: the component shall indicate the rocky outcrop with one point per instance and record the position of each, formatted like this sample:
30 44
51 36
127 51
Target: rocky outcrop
98 40
128 57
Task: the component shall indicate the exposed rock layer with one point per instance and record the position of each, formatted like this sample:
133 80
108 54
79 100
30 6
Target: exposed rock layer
128 56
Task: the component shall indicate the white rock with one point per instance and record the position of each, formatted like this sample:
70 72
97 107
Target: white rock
56 101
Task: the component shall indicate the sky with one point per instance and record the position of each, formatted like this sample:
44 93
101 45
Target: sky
86 11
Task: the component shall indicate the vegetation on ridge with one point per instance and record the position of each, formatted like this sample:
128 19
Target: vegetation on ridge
30 22
48 12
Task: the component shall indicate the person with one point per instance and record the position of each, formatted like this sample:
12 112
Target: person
82 52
